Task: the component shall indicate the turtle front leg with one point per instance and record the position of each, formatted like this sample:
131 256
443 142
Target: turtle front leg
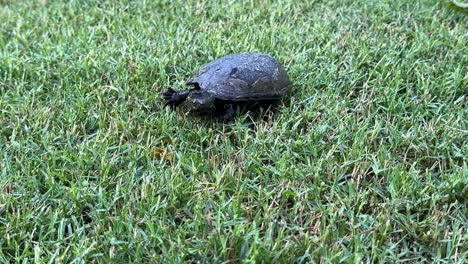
174 98
228 113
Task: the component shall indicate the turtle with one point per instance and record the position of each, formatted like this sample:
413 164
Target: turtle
247 78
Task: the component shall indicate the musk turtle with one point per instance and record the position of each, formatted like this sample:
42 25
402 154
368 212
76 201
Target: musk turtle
245 79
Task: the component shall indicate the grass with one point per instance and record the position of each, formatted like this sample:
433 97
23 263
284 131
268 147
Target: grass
364 162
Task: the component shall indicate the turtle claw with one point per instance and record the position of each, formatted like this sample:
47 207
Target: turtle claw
174 98
227 115
169 92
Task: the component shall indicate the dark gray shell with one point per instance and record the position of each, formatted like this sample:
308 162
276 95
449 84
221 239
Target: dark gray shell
243 77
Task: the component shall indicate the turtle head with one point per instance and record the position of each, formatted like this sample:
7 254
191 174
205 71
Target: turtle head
201 102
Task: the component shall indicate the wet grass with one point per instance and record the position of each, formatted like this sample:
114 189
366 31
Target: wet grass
364 162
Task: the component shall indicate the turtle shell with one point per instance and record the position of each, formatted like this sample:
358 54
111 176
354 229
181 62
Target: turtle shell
243 77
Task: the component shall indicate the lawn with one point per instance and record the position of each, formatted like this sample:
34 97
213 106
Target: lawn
365 161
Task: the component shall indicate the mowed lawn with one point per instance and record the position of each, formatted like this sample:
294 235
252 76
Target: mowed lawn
365 161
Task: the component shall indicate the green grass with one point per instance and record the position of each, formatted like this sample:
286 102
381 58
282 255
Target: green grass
364 162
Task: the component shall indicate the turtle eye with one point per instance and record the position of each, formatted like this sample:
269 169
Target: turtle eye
196 103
